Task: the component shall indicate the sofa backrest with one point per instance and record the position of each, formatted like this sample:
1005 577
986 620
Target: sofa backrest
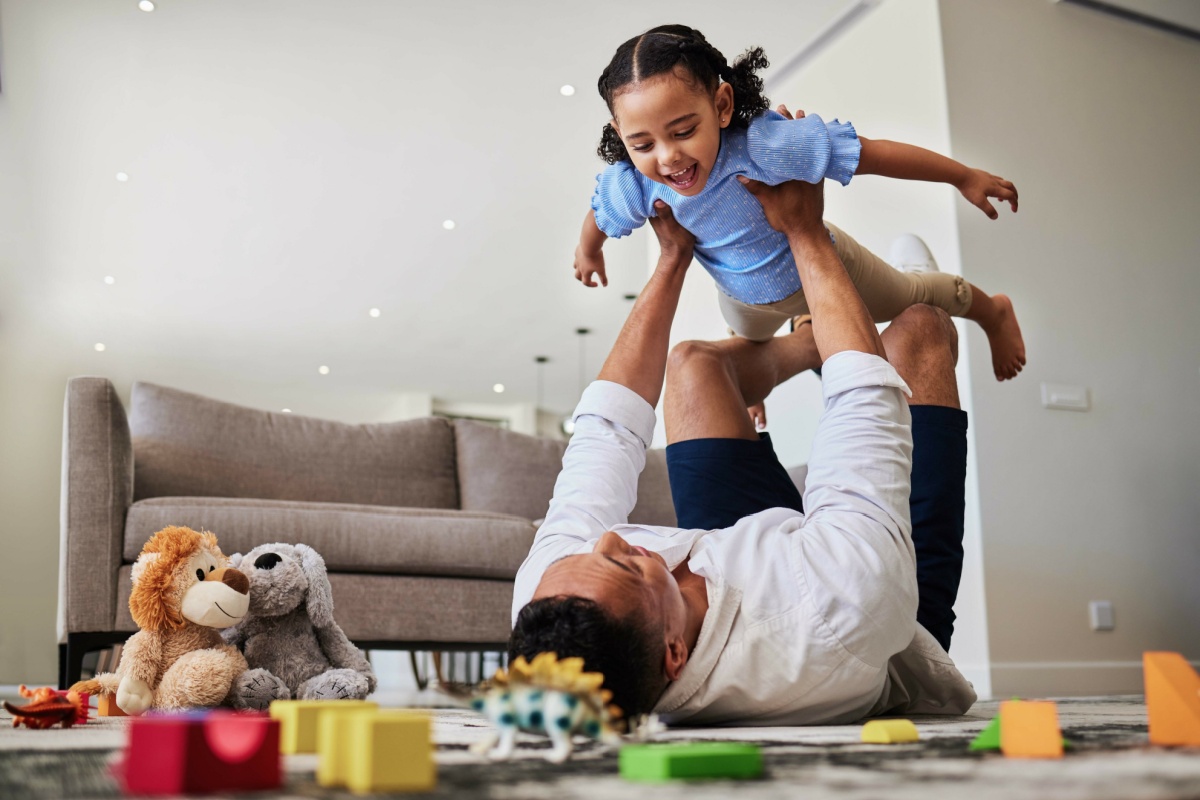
188 445
513 473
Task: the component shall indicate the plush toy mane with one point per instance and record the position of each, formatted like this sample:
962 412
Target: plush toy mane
154 576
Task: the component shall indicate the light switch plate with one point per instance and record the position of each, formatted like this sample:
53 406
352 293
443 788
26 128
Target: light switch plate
1065 397
1100 613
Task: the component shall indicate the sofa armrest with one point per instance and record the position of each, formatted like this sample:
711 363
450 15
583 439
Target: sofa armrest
97 490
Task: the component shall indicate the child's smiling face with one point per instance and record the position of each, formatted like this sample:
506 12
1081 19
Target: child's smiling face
671 127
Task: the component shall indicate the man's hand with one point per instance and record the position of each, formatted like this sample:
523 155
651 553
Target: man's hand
675 241
589 264
979 185
794 207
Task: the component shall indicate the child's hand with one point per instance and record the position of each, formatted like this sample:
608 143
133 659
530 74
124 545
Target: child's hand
589 264
978 186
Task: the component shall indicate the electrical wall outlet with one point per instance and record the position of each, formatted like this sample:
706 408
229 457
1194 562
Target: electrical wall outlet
1065 397
1101 614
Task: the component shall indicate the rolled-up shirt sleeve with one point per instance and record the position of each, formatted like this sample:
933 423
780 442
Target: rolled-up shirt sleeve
806 149
854 549
597 487
619 201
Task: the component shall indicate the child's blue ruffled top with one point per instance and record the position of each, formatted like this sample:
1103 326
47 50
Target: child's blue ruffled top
749 260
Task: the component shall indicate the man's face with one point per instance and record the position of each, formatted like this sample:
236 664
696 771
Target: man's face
622 579
671 128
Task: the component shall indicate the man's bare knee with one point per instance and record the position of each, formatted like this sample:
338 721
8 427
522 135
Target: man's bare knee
922 329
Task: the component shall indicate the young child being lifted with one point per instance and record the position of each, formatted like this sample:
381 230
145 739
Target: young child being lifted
686 125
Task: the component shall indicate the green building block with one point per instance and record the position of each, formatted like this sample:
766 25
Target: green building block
989 737
664 762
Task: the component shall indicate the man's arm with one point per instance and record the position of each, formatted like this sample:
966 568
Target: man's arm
855 547
638 360
597 487
839 317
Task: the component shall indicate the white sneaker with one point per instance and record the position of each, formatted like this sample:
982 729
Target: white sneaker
909 254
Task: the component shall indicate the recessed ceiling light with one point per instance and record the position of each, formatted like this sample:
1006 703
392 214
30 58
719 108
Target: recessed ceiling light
448 224
498 388
374 312
146 5
99 347
110 280
324 370
122 177
567 90
287 411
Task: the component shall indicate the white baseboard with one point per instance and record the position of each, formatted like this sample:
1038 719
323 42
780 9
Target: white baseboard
1067 678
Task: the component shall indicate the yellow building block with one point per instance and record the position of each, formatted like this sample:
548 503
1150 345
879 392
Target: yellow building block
1029 729
1172 700
298 721
333 732
889 731
391 751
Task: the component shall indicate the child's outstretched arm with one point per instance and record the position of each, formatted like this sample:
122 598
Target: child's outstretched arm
589 255
908 162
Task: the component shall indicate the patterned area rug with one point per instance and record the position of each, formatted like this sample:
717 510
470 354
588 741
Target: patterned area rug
1110 759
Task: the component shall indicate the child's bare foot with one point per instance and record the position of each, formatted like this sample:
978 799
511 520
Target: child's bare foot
1004 336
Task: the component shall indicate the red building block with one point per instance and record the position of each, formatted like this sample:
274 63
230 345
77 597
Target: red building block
200 753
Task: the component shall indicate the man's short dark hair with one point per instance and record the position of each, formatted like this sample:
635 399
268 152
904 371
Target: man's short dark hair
627 651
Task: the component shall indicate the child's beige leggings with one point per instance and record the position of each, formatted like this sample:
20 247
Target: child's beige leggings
886 291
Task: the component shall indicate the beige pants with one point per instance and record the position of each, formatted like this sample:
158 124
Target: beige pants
886 291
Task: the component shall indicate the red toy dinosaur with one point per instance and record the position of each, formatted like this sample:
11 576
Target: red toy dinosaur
47 707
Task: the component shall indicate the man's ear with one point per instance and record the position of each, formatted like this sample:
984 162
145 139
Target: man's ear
675 658
724 104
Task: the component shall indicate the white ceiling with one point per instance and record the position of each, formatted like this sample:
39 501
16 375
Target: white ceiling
291 162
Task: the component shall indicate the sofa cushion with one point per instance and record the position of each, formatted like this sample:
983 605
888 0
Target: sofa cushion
188 445
514 473
396 609
351 538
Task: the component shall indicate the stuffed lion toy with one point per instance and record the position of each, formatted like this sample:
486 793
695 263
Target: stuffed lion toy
183 592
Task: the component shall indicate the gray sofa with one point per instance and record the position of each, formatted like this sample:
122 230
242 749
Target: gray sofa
422 524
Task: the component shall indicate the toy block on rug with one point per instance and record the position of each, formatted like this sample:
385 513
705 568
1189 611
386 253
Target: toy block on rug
298 721
1172 699
107 706
201 753
333 732
1029 729
653 763
387 751
889 731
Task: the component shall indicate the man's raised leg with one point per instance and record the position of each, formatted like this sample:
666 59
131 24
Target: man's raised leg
721 469
922 344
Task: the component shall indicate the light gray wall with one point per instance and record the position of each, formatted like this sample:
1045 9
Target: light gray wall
1096 120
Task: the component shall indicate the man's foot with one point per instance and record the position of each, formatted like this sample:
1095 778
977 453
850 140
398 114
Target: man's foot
910 254
1004 336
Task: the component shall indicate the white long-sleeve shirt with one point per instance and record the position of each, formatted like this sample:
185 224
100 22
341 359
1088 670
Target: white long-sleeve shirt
811 617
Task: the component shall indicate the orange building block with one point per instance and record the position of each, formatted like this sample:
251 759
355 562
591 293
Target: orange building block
107 706
1030 730
1172 699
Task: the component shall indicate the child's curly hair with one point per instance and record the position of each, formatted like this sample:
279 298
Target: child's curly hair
659 50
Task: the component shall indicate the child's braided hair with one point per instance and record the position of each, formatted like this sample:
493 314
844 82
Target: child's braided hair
660 50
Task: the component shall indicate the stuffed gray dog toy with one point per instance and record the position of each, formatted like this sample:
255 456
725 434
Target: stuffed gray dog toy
294 648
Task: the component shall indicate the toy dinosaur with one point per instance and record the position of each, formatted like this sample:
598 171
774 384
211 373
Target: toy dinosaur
47 708
546 696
